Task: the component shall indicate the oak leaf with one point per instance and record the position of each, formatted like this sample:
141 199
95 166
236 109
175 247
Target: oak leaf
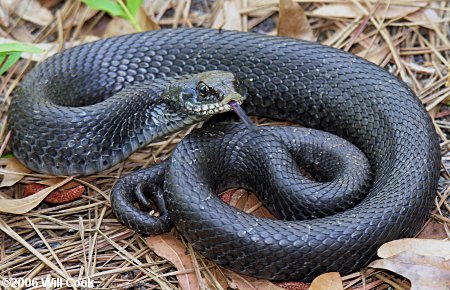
293 21
170 248
424 262
327 281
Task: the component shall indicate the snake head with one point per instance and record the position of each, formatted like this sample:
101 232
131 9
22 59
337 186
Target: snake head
205 94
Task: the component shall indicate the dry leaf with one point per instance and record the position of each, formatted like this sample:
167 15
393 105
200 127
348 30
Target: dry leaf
293 285
59 196
237 197
425 247
168 247
49 3
30 10
226 196
21 33
5 20
216 280
245 201
433 230
257 9
118 26
421 69
341 10
447 83
9 178
261 211
398 11
228 17
375 54
53 181
293 22
424 272
83 14
49 48
156 7
24 205
423 17
350 10
242 282
327 281
146 20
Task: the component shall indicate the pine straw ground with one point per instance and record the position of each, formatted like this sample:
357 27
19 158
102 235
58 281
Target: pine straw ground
82 239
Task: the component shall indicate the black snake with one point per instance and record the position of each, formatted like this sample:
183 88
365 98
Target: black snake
91 106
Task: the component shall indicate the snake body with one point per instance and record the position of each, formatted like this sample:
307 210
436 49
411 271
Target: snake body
298 81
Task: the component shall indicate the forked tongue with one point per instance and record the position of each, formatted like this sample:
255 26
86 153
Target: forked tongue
241 113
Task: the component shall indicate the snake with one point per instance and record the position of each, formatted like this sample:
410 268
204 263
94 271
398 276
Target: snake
89 107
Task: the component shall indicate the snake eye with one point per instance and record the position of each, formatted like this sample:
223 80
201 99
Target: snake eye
202 89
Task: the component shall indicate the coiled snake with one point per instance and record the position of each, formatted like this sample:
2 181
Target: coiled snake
91 106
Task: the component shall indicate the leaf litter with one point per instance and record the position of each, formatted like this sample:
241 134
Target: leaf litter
83 239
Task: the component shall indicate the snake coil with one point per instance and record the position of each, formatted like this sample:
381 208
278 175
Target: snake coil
298 81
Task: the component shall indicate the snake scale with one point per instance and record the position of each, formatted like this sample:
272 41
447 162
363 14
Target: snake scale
76 114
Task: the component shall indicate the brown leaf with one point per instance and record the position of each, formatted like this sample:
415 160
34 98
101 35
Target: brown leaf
21 33
9 178
226 196
433 230
426 247
228 17
146 21
118 26
350 10
53 181
424 17
424 272
293 285
246 201
82 15
375 54
238 281
168 247
30 10
238 198
252 203
57 197
398 11
340 10
293 22
156 7
327 281
254 8
421 69
49 3
23 205
5 20
219 279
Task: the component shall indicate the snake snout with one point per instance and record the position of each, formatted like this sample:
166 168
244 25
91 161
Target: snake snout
213 92
233 97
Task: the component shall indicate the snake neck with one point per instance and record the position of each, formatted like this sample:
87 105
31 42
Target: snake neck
89 139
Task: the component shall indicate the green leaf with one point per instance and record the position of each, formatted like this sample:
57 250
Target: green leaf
133 6
7 155
22 47
11 59
108 6
10 53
